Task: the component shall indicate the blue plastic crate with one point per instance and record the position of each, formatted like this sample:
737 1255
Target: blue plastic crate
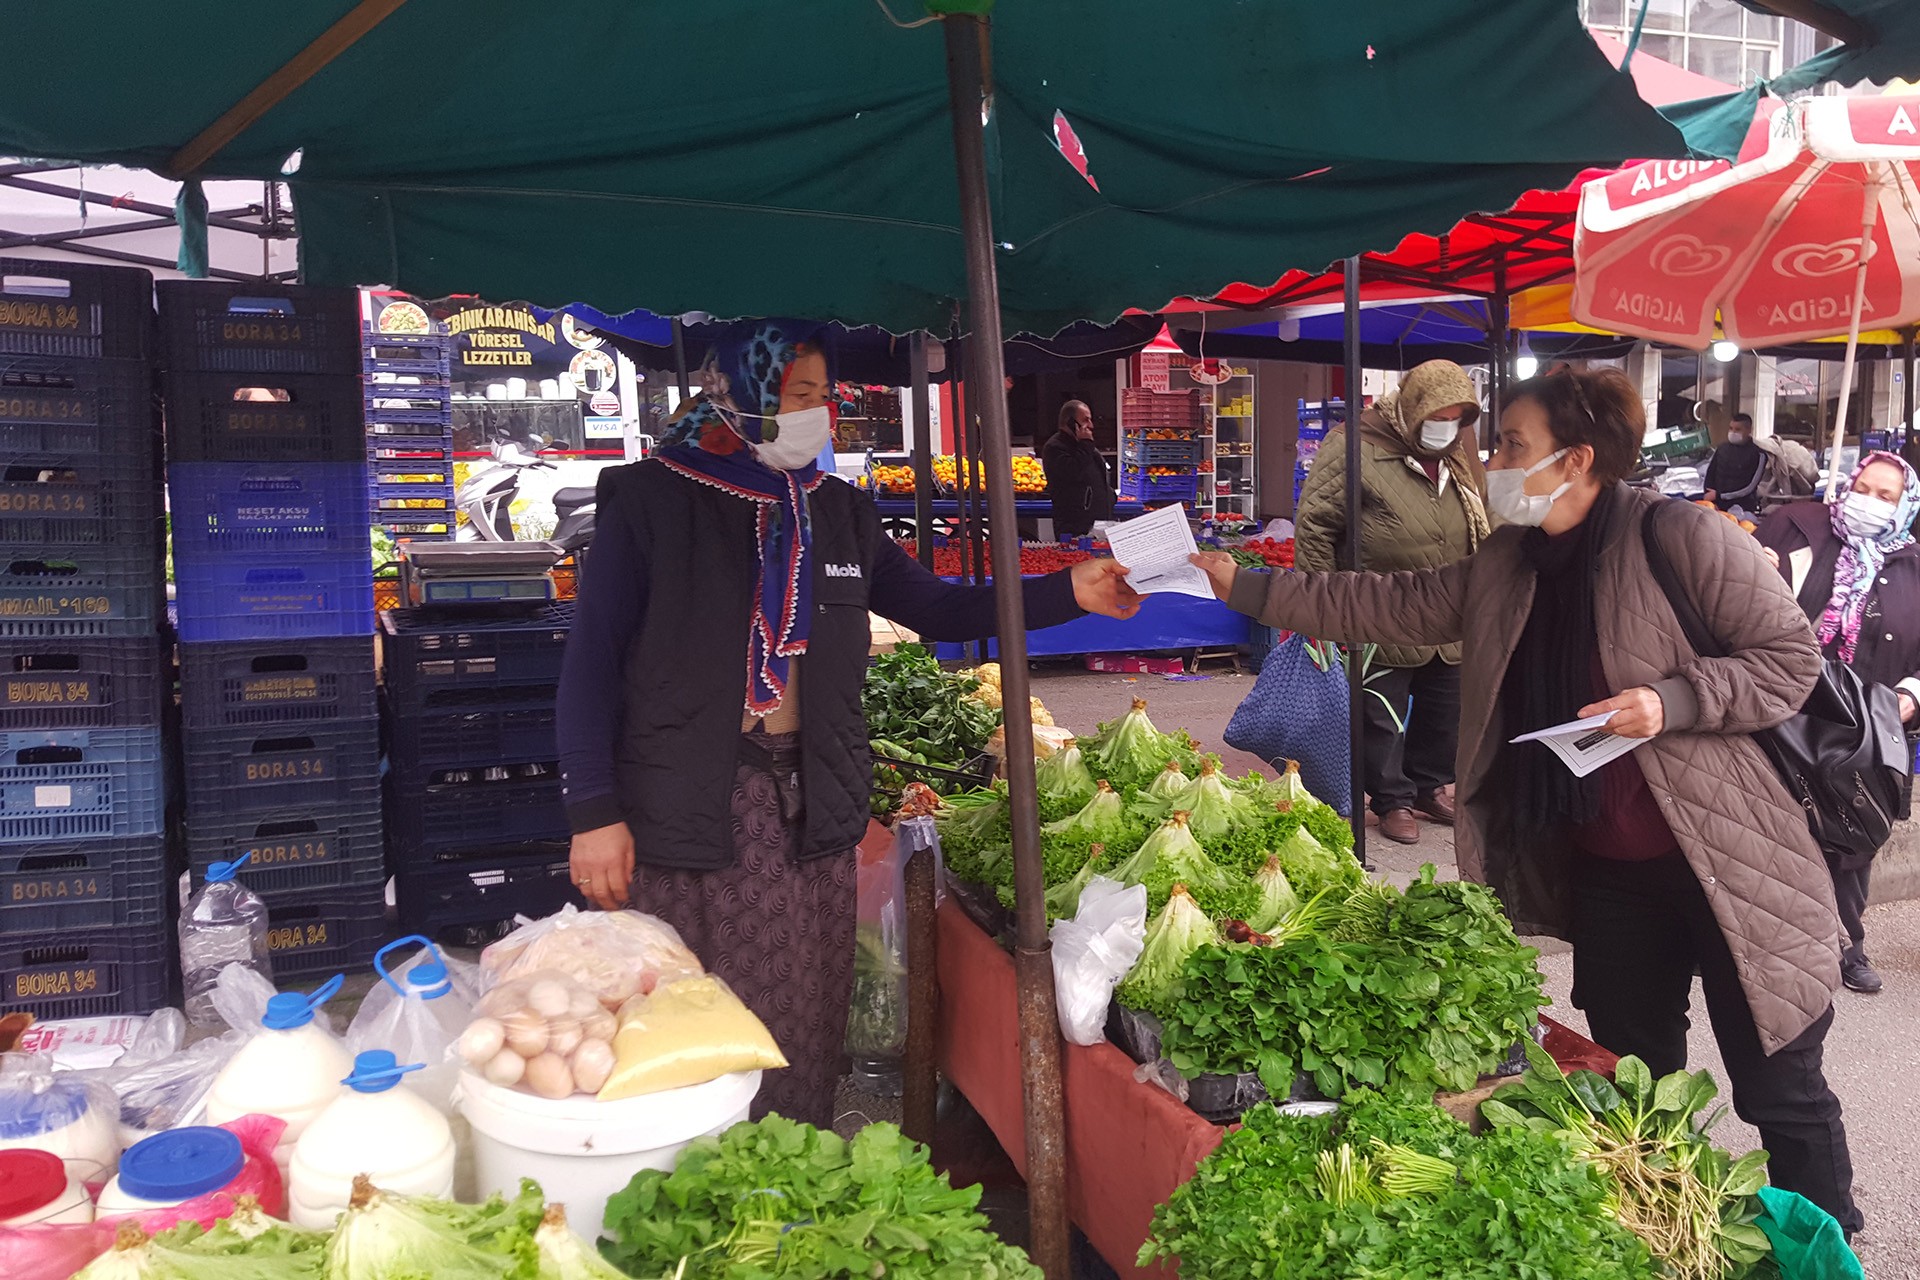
257 768
422 404
267 597
90 972
262 683
408 355
295 849
1160 453
1136 486
455 809
246 327
79 591
79 883
484 888
78 406
399 445
402 501
316 935
75 784
223 417
65 683
73 309
425 525
68 498
410 473
298 508
431 661
474 728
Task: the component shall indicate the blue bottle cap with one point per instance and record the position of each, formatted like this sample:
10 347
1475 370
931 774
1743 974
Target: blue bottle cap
377 1071
428 980
26 1114
290 1009
221 872
175 1166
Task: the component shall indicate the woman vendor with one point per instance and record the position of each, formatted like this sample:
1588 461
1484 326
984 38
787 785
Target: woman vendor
711 735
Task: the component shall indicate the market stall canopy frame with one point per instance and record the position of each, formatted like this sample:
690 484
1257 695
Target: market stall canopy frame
799 161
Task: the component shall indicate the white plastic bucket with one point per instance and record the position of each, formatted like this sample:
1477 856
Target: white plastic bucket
581 1150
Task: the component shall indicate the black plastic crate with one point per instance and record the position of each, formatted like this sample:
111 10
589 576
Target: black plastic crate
484 890
454 809
89 973
294 849
316 935
79 406
96 590
255 328
80 883
83 683
254 417
255 768
470 733
66 498
75 784
74 309
424 655
260 682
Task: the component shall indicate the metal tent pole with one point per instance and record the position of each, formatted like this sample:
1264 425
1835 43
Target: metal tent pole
1907 336
1500 333
1046 1165
922 449
1356 667
680 357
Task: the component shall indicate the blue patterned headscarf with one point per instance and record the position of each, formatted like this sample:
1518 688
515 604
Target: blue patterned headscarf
1861 558
740 392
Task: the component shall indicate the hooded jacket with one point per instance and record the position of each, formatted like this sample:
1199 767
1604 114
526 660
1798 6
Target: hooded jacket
1407 519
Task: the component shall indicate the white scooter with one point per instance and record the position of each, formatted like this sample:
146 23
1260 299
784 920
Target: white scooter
493 486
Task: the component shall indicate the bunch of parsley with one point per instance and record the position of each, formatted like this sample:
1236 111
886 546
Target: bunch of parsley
778 1198
1521 1205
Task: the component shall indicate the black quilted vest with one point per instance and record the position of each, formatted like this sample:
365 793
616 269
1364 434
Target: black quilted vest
686 672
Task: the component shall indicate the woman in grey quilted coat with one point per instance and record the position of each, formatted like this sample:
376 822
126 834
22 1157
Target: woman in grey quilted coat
1685 852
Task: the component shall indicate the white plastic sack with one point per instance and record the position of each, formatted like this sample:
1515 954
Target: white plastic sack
415 1029
1093 951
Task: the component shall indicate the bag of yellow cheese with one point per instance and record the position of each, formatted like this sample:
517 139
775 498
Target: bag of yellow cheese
686 1033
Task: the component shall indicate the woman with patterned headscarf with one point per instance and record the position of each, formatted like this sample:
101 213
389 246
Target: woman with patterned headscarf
1421 485
707 781
1855 568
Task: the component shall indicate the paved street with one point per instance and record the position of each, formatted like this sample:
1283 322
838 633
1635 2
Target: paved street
1873 1053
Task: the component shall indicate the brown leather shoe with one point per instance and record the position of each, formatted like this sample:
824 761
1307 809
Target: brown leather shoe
1437 805
1400 826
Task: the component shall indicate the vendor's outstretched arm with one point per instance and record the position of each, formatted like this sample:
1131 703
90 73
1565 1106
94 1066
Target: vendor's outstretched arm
906 593
1424 607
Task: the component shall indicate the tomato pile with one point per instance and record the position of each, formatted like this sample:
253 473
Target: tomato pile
1269 553
1035 558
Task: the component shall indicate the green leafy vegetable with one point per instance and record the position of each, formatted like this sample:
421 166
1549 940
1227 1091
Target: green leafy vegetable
1213 808
1131 752
1514 1204
910 701
564 1255
1063 899
1277 899
384 1236
1172 856
1168 783
777 1198
187 1252
1311 866
1064 777
1694 1205
1177 932
1104 815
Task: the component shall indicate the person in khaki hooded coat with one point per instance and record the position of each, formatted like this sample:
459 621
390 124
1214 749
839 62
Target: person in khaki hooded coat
1420 508
1686 852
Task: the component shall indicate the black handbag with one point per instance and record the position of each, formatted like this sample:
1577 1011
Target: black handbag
1843 756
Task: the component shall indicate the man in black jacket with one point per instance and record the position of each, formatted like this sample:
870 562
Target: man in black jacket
1076 474
1734 474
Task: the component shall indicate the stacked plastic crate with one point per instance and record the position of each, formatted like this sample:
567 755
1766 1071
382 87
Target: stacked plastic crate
1317 418
85 925
476 829
409 401
274 585
1162 441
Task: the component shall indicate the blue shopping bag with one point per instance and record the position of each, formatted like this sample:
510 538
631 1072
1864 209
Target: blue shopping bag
1298 710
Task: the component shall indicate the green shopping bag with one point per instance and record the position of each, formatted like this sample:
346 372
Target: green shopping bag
1807 1243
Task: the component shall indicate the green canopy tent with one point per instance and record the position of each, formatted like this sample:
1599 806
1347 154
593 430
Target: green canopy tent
847 160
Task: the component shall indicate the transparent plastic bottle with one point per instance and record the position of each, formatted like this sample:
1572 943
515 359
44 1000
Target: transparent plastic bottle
224 923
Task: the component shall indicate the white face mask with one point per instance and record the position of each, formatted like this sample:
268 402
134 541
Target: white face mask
1508 499
1736 437
800 437
1866 516
1439 433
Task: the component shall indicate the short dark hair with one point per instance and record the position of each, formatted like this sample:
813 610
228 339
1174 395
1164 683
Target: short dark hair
1065 422
1599 408
1743 420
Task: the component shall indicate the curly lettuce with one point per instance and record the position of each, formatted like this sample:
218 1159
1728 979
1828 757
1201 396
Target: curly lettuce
1172 856
1277 898
1130 751
1064 776
1180 929
1103 816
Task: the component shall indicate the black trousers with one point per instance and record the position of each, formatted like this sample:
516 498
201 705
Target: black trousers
1403 766
1639 928
1850 889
